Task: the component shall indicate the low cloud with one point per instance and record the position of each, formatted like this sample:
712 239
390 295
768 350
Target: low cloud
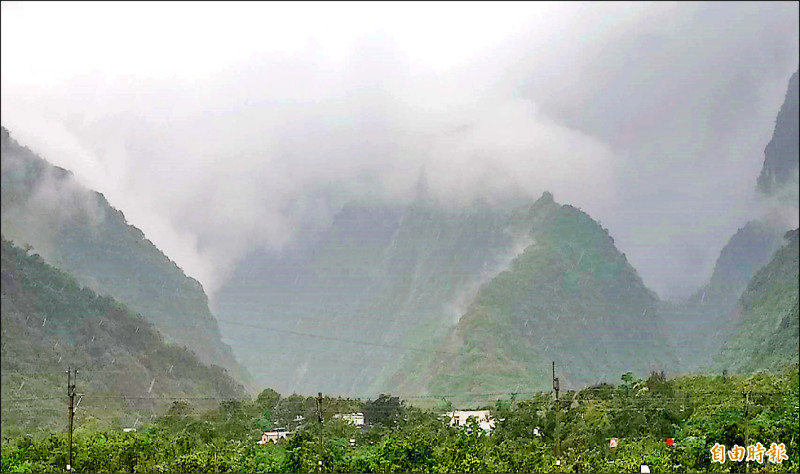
652 118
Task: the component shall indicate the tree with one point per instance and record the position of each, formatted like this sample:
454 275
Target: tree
288 409
267 399
264 407
385 410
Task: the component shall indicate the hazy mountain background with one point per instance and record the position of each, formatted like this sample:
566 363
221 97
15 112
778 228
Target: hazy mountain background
780 166
698 326
51 322
651 117
380 282
381 286
765 333
356 199
77 231
569 297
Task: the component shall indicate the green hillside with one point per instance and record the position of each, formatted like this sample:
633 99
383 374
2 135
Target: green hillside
437 262
570 297
77 230
698 326
50 322
765 334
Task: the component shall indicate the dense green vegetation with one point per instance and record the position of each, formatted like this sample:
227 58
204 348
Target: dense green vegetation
570 297
51 322
696 411
766 334
77 230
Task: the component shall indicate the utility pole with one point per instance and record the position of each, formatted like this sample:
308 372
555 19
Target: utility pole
746 426
71 394
319 417
558 438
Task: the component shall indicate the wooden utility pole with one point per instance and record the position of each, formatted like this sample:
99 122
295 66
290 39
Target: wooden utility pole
746 426
71 395
558 438
319 417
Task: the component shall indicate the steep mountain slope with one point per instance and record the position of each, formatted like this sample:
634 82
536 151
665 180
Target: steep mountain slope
766 334
382 282
698 326
782 154
271 301
78 231
51 322
569 297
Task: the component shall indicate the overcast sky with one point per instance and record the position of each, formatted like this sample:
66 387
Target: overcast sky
218 127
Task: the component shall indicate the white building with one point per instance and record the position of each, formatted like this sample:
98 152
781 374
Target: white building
352 418
460 417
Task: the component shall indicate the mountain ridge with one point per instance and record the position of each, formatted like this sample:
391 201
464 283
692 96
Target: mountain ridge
765 333
558 291
50 322
782 153
77 230
699 325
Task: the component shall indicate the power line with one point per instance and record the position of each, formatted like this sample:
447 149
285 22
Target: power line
509 330
616 395
32 399
332 338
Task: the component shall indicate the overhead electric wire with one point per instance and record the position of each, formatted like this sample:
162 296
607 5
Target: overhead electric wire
332 338
616 395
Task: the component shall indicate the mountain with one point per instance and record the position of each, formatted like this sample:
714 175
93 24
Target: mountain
569 297
77 230
126 371
380 301
337 312
765 334
272 301
782 154
698 326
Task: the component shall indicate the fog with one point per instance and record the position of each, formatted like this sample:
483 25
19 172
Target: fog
221 128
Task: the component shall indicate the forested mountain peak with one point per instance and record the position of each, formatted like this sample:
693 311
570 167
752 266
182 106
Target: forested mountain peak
570 296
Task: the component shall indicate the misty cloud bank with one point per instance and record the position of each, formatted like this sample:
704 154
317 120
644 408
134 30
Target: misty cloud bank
54 199
652 118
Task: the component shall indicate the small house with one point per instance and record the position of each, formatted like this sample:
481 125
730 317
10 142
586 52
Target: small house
274 436
460 417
